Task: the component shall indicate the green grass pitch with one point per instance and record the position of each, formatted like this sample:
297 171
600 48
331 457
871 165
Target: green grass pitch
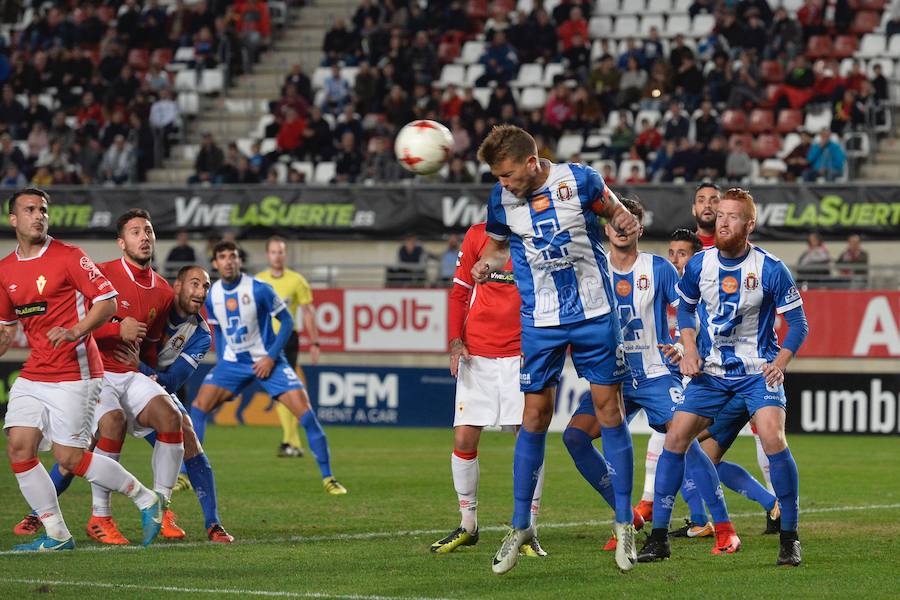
296 541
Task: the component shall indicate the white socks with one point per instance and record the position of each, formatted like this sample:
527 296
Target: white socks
101 496
654 449
465 480
168 453
38 490
109 474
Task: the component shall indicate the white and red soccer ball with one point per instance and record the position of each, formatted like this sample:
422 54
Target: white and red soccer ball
423 147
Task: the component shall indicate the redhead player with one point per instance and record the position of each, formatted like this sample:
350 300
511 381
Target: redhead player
60 297
484 357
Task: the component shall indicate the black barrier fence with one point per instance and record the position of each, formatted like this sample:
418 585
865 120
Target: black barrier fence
390 211
833 403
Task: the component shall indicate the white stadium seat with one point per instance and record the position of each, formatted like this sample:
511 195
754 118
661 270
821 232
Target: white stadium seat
569 145
533 98
471 52
529 74
453 74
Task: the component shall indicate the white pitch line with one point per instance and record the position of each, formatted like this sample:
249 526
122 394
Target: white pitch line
375 535
223 591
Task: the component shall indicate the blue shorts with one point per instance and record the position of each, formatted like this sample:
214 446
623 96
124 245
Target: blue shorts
707 396
234 376
595 352
729 422
658 397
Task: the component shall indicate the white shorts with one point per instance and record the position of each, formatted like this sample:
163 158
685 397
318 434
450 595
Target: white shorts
63 411
487 392
130 393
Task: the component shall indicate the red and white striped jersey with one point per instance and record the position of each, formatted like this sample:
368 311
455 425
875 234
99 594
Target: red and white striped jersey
56 288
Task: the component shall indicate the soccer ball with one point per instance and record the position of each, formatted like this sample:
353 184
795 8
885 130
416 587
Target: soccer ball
423 147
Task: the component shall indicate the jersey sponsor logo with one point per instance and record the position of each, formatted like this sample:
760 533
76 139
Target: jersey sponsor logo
502 277
623 288
792 295
231 304
563 192
643 282
88 265
13 288
41 281
540 203
30 310
751 282
729 285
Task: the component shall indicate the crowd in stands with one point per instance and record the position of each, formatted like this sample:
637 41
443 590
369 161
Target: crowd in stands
87 87
816 268
729 104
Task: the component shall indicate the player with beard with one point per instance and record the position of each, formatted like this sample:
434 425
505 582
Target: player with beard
735 290
706 201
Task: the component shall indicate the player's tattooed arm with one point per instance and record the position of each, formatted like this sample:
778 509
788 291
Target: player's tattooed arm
7 335
493 258
100 313
458 351
621 219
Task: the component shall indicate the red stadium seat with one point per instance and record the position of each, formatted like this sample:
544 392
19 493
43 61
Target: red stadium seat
450 45
161 57
819 46
844 46
789 120
876 5
745 138
766 146
865 22
734 120
477 9
139 59
772 71
761 120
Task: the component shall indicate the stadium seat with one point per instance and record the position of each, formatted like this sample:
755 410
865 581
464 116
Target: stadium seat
184 54
598 165
325 172
349 73
654 116
471 52
817 121
267 145
844 46
186 81
791 141
569 145
305 167
702 26
244 146
533 98
734 120
139 59
450 46
483 95
761 120
857 145
278 12
188 103
626 26
773 164
650 21
676 24
873 5
789 120
530 74
473 72
766 145
606 7
189 151
600 27
453 74
161 57
633 8
658 7
772 71
319 76
819 46
887 67
883 121
865 22
745 138
681 6
550 73
893 49
872 46
625 168
212 81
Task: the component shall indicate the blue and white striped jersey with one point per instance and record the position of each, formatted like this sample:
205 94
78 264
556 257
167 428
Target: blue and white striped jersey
560 266
642 297
183 346
244 311
737 302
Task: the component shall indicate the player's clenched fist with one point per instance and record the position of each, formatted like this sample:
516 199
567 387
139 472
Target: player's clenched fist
624 222
481 271
132 330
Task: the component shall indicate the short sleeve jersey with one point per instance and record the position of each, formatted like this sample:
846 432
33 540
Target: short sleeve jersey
561 269
643 295
737 301
56 288
149 304
244 310
492 327
292 288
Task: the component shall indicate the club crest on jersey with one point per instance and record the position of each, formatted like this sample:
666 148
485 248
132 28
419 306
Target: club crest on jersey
177 342
41 281
563 192
751 282
643 282
152 314
623 288
729 285
540 203
231 304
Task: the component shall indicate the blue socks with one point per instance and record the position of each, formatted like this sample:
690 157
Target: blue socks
736 478
619 455
318 443
669 475
60 482
198 418
589 462
700 468
691 494
527 461
786 482
204 483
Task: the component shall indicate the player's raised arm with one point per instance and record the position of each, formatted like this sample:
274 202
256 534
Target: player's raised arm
494 256
609 207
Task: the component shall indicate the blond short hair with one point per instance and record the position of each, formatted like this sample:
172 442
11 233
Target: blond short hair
745 198
506 142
